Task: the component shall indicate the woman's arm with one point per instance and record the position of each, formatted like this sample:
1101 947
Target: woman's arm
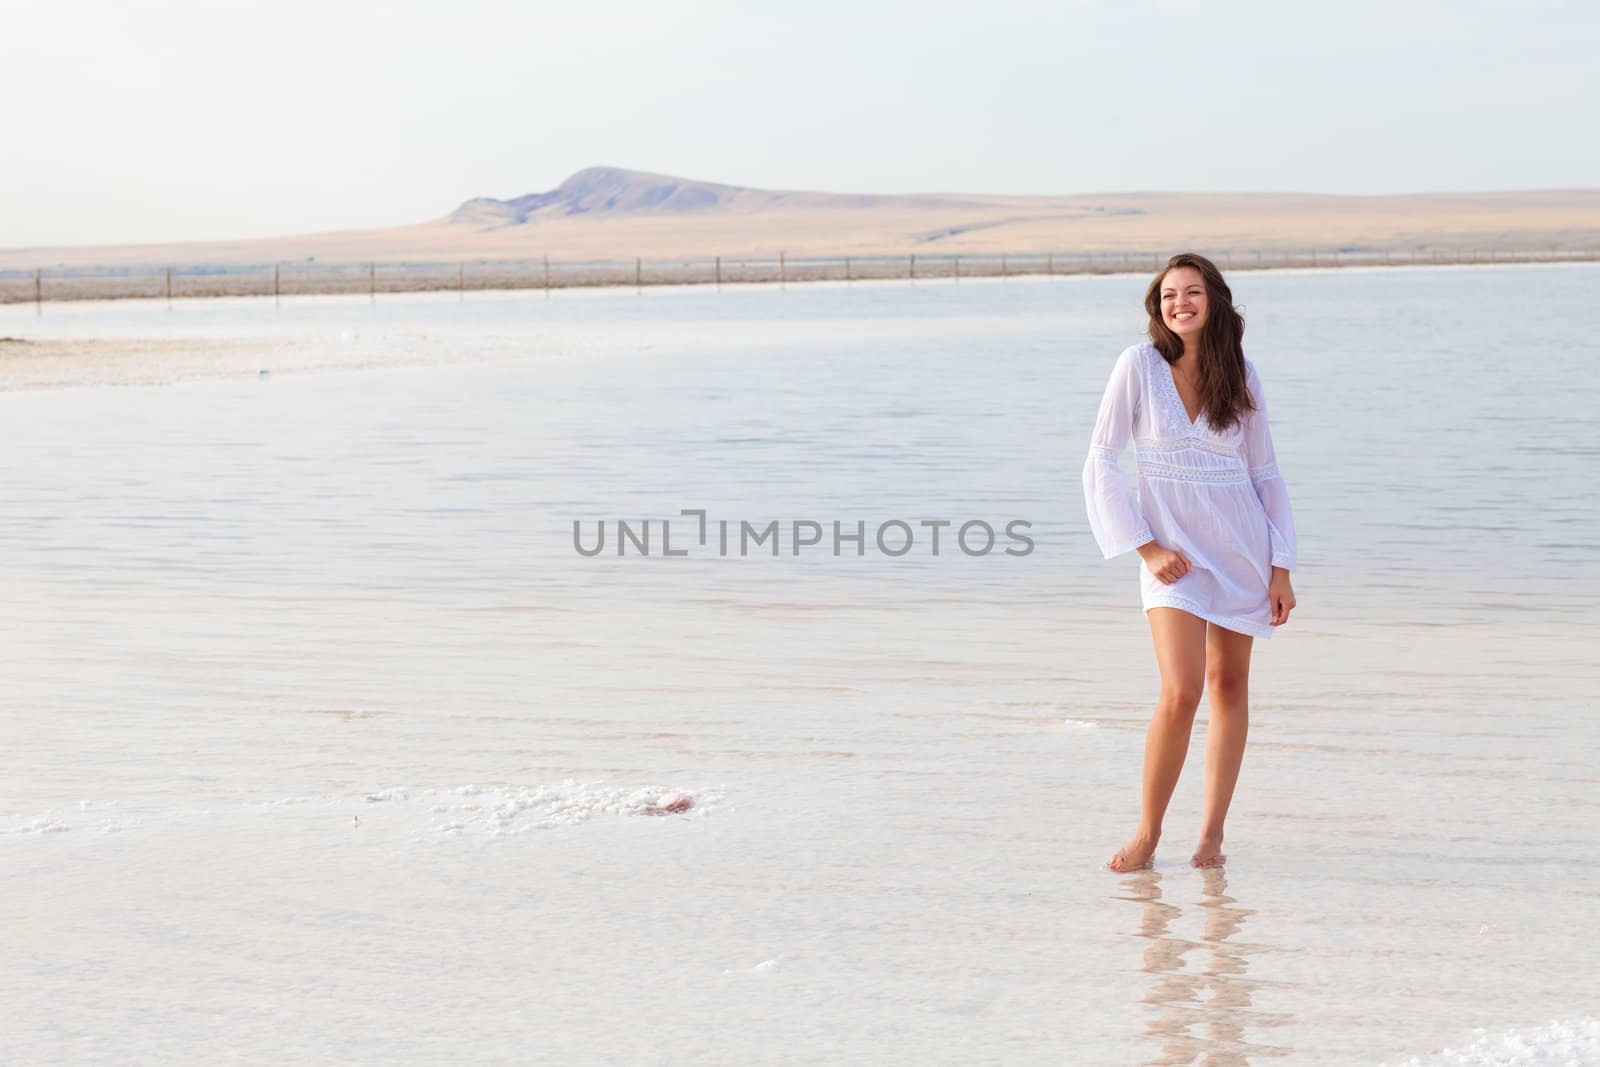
1113 504
1261 460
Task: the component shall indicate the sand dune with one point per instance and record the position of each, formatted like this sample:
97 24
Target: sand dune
610 214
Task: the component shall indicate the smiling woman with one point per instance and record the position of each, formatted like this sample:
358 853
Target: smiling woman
1210 520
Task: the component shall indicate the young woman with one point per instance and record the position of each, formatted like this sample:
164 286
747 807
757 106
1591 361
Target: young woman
1211 521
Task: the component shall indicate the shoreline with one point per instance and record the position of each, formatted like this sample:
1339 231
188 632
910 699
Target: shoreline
46 356
534 276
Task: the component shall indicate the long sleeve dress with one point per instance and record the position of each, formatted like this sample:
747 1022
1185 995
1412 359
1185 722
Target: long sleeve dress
1216 496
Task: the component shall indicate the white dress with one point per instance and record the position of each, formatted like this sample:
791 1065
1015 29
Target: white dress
1217 497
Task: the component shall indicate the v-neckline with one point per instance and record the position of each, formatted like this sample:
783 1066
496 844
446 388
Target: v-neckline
1194 423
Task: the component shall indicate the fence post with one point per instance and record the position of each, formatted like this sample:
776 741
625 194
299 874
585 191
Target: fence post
783 270
913 266
274 281
372 279
547 274
1050 264
638 273
169 285
38 289
461 279
719 270
847 275
958 268
1003 265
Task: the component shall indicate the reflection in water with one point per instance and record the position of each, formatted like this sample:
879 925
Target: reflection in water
1186 1028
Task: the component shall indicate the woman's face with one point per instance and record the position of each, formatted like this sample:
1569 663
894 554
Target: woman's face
1183 302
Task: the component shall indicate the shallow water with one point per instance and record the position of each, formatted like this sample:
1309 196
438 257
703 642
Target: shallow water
317 716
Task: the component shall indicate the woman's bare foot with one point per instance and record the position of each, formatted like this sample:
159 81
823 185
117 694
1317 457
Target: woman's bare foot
1208 853
1135 855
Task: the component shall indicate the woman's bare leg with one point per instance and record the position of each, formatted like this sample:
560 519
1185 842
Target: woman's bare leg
1228 696
1180 640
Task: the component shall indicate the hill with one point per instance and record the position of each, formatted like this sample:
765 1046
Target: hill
613 214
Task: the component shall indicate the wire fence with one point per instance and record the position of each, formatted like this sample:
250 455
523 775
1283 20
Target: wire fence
309 277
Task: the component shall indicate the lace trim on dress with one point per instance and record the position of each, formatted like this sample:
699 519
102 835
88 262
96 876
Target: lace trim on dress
1263 474
1172 444
1161 371
1104 453
1154 468
1227 622
1144 536
1187 437
1173 600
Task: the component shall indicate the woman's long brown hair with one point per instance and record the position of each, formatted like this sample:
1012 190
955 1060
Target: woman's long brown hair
1224 397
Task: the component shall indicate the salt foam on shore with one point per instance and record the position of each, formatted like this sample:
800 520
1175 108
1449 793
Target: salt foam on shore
1572 1042
497 810
490 810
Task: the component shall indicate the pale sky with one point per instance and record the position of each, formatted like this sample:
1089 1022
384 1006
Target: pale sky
196 119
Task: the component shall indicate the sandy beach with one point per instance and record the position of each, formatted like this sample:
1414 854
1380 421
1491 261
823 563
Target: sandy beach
80 361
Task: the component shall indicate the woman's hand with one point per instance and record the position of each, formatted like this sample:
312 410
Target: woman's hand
1167 564
1280 596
